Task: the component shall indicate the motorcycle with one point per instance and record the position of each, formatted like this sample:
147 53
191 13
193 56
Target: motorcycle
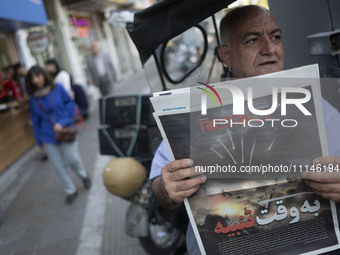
155 32
160 230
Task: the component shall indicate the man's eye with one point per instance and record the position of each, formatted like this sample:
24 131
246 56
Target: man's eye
252 40
276 37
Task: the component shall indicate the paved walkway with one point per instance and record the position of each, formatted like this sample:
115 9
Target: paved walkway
37 221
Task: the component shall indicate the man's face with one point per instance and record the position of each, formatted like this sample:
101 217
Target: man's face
22 71
256 46
95 48
51 68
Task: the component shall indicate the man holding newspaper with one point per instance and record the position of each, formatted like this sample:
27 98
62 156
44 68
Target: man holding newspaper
251 46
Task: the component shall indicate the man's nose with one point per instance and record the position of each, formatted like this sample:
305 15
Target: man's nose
267 47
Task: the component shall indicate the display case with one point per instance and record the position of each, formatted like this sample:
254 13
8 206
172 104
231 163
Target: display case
16 134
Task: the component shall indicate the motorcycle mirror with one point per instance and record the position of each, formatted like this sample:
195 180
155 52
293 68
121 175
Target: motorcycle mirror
183 54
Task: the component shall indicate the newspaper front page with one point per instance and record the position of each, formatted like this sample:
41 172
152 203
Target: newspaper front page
253 142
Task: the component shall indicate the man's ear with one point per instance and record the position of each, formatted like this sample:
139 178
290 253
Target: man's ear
224 54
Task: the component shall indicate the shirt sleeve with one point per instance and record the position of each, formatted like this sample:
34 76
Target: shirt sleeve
67 111
161 158
332 123
64 78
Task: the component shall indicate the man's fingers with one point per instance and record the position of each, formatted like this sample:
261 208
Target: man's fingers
331 196
178 196
179 164
177 191
187 193
179 174
326 160
324 187
196 171
324 176
189 183
177 182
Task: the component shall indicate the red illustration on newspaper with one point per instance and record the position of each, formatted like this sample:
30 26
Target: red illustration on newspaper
281 214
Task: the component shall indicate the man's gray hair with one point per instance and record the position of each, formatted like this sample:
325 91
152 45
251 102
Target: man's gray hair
233 18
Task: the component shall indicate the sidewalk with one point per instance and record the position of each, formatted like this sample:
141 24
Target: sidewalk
36 219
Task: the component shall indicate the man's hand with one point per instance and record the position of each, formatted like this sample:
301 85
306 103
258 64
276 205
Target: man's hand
175 183
325 184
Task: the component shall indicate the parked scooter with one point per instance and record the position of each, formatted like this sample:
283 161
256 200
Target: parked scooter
160 230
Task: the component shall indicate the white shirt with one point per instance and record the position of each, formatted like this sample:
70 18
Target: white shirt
64 78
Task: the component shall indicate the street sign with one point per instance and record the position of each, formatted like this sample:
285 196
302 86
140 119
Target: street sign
37 41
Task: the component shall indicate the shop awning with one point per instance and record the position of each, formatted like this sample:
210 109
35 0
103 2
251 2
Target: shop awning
21 14
96 5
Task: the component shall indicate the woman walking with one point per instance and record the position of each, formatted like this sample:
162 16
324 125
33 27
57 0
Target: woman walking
52 109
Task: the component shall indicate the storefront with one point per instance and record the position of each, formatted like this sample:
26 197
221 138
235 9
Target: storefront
41 29
16 134
89 21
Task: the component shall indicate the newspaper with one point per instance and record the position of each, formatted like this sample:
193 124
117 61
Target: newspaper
264 209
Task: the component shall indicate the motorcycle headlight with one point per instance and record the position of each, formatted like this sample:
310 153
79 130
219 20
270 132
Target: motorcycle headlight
123 176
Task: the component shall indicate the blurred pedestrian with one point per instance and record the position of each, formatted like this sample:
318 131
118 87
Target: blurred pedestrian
19 75
59 75
52 109
10 84
100 70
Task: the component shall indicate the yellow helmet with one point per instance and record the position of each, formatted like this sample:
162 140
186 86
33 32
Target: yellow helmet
123 176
